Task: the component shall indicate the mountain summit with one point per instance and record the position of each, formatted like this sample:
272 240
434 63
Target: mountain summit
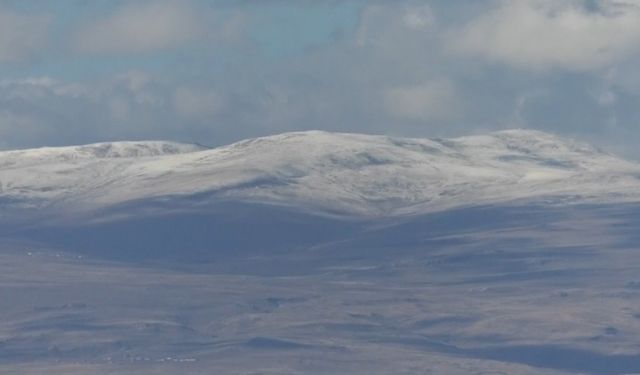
341 173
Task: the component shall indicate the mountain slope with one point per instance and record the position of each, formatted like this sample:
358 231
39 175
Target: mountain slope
323 172
162 260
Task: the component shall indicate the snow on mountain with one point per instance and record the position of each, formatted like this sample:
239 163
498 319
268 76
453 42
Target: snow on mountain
327 172
48 155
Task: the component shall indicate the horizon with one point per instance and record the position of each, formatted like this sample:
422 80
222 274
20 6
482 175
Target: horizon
209 147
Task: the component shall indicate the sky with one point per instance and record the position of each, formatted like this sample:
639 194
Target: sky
215 72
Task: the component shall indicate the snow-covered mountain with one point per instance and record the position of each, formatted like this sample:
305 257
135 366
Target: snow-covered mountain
321 253
326 172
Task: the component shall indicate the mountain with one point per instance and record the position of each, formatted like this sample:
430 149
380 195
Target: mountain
514 252
329 173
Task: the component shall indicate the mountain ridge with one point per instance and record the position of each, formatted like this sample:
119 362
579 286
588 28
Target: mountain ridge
351 173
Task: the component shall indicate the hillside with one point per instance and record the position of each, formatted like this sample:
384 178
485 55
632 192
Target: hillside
514 252
348 174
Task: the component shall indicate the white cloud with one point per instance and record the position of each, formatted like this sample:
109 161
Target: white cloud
21 35
607 98
390 24
419 18
44 111
543 34
428 101
119 108
34 87
196 103
141 27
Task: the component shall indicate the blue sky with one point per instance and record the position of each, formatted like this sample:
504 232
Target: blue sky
79 71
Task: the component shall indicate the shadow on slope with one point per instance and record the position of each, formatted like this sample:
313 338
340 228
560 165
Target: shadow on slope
183 231
150 231
554 357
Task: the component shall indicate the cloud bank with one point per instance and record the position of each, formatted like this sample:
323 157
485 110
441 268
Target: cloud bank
219 72
546 34
21 35
139 27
